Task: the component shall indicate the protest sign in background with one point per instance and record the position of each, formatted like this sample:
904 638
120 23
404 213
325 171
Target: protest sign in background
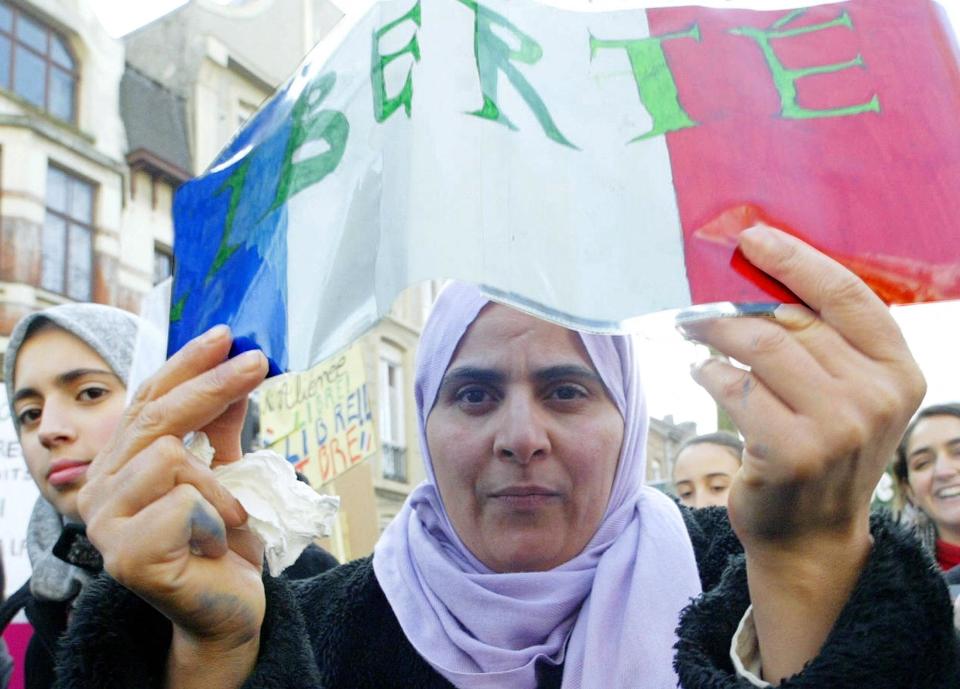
320 420
18 493
588 166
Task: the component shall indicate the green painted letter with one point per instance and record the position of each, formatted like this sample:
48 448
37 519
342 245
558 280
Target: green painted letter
234 184
786 79
495 56
383 106
655 83
312 124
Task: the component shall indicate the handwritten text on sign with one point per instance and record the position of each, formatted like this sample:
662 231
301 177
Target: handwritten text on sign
18 493
424 144
321 419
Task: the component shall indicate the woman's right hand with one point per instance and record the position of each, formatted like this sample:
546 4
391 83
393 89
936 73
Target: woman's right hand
166 528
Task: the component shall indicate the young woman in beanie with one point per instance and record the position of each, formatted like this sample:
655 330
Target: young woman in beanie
66 371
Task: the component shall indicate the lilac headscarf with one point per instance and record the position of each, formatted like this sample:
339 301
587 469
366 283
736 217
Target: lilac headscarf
608 615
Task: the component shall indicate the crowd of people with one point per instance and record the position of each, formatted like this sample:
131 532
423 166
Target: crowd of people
532 556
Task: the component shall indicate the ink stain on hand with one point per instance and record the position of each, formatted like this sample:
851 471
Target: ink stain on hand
206 531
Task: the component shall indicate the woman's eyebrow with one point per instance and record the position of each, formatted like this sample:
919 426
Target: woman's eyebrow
473 374
63 380
552 373
921 450
70 376
23 393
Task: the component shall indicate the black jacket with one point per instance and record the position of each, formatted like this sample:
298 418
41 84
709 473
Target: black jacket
337 631
49 618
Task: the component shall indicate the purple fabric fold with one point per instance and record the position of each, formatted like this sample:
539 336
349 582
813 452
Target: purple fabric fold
608 615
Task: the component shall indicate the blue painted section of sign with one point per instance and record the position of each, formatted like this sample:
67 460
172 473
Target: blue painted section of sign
248 290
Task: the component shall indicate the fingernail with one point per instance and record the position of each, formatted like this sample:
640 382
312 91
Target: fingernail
241 513
762 235
249 361
794 316
213 334
691 331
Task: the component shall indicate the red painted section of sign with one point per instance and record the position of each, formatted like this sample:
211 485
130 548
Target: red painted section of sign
878 191
17 635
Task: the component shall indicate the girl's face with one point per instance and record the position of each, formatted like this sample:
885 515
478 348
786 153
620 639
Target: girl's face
68 403
525 442
933 472
703 474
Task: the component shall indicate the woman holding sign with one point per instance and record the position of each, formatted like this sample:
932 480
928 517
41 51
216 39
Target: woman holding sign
533 556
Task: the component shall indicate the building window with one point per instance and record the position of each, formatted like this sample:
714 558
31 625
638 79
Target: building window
67 247
393 447
36 63
162 262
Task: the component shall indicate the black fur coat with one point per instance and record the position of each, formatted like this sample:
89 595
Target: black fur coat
337 631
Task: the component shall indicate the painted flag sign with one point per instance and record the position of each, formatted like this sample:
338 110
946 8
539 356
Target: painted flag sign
587 166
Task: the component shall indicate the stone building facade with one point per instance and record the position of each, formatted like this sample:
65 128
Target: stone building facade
664 439
62 170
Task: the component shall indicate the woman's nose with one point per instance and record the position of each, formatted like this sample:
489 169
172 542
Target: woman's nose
55 427
522 435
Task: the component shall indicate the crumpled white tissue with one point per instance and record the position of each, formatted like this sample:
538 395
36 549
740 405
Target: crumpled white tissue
284 513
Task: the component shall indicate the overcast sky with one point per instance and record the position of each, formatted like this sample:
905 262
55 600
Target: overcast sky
933 331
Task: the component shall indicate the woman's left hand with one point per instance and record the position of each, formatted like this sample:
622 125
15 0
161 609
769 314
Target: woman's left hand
828 393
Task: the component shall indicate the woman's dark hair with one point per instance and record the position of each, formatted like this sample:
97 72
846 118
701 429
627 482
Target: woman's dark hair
901 470
723 438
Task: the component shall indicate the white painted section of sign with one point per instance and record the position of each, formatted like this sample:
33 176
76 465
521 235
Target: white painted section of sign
18 493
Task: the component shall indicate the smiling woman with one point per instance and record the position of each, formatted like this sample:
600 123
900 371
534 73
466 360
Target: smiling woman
927 469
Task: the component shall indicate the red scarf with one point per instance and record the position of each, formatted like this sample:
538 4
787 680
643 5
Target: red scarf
948 554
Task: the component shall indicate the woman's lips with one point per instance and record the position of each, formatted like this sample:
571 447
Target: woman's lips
65 472
525 497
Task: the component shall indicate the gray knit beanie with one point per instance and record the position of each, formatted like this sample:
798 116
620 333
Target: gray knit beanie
109 331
